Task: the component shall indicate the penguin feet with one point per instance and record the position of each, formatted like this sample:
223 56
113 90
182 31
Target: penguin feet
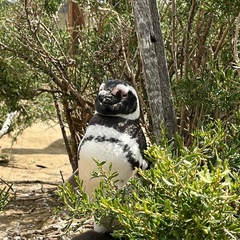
92 235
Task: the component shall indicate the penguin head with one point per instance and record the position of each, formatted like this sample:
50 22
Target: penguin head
117 98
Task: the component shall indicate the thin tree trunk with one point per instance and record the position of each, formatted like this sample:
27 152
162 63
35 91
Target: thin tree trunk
76 22
152 51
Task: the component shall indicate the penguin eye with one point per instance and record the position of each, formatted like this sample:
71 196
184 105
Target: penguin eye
120 93
124 94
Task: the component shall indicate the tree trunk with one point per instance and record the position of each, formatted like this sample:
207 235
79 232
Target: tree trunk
75 22
157 81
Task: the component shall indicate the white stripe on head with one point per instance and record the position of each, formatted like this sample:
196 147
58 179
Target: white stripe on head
136 114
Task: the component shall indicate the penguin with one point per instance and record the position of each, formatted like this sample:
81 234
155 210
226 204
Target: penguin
92 235
114 135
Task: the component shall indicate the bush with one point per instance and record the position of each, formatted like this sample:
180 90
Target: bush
185 196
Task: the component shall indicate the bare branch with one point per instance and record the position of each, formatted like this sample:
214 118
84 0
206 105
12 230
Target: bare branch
7 123
236 44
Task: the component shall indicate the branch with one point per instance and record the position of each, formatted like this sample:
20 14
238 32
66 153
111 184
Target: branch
43 90
221 42
7 123
186 37
174 48
30 182
235 44
64 134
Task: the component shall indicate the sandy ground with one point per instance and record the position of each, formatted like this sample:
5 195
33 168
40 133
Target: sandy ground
38 154
37 164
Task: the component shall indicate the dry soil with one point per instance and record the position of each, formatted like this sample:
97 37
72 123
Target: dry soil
34 165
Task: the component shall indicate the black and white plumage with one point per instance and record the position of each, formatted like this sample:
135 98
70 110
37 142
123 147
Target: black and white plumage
92 235
114 135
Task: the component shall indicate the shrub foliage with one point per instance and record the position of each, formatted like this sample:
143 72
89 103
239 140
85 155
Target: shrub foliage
46 68
186 195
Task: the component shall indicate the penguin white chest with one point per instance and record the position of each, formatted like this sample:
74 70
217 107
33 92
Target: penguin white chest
105 144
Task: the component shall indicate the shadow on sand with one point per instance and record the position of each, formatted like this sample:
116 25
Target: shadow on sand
56 147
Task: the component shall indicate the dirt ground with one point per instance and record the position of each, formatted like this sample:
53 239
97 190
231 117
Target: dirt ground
35 165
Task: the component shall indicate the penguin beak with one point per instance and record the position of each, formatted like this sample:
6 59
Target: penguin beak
109 98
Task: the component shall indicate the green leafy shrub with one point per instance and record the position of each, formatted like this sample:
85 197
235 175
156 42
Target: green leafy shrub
220 141
186 195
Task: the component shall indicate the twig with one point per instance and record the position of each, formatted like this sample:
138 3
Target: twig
186 37
221 42
7 184
174 49
235 43
30 182
42 90
65 138
62 176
